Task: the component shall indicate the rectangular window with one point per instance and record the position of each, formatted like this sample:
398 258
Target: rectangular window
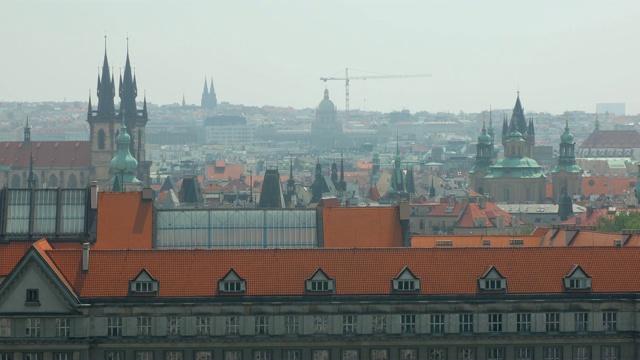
524 353
407 324
319 285
437 323
173 325
63 356
232 325
46 205
523 322
292 324
32 356
437 354
262 355
33 296
144 287
32 327
609 353
496 353
173 355
114 326
114 355
610 321
6 356
203 324
466 354
552 322
378 324
494 284
18 211
582 321
5 327
233 286
350 355
202 355
406 285
349 324
144 325
320 324
233 355
495 322
379 354
144 355
262 325
320 354
578 283
291 355
552 353
466 323
63 327
581 353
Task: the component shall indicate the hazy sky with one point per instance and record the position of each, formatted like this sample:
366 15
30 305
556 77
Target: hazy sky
560 54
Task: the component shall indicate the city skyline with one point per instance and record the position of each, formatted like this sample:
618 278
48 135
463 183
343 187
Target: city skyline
560 56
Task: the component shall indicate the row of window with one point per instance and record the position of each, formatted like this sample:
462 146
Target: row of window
434 353
467 323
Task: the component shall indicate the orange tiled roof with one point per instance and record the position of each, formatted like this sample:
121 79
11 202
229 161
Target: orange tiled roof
350 227
282 272
441 210
124 221
473 211
230 171
10 254
64 154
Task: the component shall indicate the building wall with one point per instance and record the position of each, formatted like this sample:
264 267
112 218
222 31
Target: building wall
90 336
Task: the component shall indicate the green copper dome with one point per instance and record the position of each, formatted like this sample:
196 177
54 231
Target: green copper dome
123 165
515 135
567 136
326 104
484 138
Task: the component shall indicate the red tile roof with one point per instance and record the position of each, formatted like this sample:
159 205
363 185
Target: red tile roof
349 227
47 154
124 221
470 241
473 212
222 171
612 139
195 273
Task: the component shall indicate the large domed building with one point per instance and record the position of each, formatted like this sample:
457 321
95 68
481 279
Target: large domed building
326 129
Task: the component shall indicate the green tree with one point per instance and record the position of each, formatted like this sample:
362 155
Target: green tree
619 222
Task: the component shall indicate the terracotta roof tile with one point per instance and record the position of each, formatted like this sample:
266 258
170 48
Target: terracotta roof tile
276 272
124 221
349 227
47 154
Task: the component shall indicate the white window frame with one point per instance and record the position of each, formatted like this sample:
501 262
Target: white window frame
143 325
581 320
261 325
552 321
610 321
581 352
232 325
495 353
523 322
320 324
292 324
63 327
552 353
524 353
436 323
114 326
439 353
32 327
494 322
378 324
349 324
5 327
173 325
466 323
203 325
408 323
610 352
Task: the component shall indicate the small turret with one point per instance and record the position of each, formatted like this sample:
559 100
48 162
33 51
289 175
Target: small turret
123 165
27 133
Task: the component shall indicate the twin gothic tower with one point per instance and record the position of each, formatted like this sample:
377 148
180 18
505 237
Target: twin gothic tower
105 123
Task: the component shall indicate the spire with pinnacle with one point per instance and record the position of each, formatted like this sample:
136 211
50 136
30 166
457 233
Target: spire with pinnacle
128 90
106 89
27 133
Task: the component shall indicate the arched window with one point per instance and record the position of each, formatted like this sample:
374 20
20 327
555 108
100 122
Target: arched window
53 181
73 182
101 139
15 181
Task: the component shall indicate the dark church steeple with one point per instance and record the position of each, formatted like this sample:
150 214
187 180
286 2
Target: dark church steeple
27 133
106 90
128 92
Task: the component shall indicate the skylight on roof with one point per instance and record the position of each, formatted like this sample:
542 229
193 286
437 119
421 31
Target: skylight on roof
449 209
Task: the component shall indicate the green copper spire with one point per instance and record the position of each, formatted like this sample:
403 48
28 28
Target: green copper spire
123 164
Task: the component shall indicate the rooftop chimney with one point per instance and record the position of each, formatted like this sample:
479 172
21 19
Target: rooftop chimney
85 257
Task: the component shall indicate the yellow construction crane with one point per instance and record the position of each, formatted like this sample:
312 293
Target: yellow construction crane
346 79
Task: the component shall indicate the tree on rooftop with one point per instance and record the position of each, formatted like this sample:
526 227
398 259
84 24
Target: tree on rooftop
619 222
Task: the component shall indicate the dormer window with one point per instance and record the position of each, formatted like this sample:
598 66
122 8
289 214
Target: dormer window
406 281
232 283
577 279
143 284
492 281
320 282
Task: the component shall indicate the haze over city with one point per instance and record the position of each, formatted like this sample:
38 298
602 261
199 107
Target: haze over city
565 55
